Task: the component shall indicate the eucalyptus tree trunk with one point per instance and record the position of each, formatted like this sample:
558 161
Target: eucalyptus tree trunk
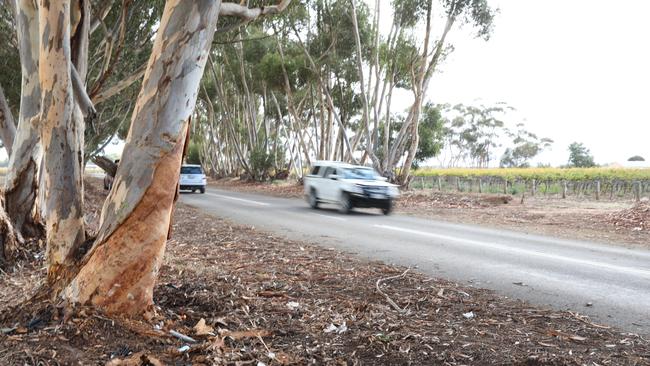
7 125
62 173
22 177
119 272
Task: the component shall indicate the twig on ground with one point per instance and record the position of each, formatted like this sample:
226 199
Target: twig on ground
388 299
182 336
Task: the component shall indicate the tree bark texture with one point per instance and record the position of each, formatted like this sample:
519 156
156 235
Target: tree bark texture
60 139
22 177
119 272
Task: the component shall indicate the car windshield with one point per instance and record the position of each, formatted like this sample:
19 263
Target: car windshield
191 170
360 173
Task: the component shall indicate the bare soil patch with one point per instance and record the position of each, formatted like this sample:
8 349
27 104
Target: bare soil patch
247 297
601 221
278 188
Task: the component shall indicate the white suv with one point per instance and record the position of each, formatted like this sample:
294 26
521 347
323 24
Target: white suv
192 178
348 186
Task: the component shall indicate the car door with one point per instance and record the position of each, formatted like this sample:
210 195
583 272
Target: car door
329 185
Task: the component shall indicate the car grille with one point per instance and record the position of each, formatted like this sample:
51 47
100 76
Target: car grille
374 190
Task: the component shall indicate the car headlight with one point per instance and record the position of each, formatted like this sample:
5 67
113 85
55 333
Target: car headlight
393 191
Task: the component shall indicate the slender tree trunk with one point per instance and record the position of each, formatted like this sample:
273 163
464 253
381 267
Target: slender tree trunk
119 272
60 140
7 125
22 178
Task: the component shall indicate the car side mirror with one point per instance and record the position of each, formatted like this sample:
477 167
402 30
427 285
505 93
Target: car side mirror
333 176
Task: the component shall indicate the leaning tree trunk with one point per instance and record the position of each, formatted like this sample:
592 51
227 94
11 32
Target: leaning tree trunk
119 272
60 140
22 175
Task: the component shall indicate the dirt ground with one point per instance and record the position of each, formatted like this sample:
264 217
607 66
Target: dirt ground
246 297
605 221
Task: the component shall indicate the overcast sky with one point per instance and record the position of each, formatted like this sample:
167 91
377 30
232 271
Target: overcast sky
576 70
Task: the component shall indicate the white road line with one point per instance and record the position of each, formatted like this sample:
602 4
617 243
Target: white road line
331 217
239 199
635 271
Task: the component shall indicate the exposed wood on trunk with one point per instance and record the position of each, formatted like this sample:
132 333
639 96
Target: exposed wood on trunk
7 124
59 138
22 175
119 272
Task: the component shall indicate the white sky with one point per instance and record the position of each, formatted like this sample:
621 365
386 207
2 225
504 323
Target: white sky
576 70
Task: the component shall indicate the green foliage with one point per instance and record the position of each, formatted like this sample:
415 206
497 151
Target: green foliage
193 153
526 146
473 131
580 157
10 76
261 163
430 134
477 13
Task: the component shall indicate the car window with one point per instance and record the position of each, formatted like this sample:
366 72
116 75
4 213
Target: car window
360 173
191 170
315 170
329 171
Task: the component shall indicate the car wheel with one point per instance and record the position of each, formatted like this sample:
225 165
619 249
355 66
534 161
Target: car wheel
313 199
345 205
388 208
202 190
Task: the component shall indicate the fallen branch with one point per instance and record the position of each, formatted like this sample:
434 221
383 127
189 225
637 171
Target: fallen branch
390 301
106 165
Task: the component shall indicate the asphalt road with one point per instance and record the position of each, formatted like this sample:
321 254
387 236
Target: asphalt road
566 275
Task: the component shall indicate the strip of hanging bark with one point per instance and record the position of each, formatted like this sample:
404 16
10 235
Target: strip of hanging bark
80 95
7 125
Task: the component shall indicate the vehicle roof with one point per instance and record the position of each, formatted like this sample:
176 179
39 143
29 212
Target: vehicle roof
339 164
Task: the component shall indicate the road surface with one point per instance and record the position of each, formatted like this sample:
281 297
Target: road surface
566 275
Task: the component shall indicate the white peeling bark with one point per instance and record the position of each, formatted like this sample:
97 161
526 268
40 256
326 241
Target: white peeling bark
59 138
22 174
7 125
119 272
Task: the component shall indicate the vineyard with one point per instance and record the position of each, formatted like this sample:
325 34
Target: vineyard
596 183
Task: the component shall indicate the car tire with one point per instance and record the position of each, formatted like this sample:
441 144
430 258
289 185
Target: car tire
312 199
202 190
388 208
345 204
